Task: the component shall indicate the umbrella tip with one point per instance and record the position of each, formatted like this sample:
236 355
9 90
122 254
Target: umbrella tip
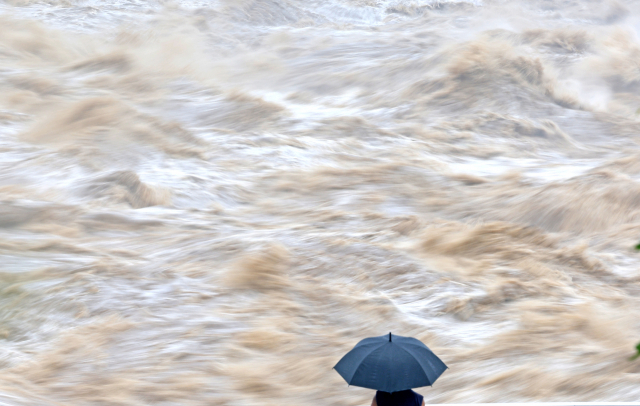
389 336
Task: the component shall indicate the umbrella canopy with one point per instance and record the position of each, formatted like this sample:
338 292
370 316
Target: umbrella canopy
390 363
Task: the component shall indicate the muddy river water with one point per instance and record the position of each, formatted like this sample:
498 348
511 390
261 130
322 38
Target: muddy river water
210 202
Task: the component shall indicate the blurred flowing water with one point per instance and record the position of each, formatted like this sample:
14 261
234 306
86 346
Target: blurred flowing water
210 202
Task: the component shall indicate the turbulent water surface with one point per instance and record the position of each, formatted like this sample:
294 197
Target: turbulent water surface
210 202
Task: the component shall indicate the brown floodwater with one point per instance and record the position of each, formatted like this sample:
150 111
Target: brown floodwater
210 202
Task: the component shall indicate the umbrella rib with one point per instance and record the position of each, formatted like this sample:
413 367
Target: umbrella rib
419 363
428 349
369 353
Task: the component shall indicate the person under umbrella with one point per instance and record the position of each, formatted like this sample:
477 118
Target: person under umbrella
392 365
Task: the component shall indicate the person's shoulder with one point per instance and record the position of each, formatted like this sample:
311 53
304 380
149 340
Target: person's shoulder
418 397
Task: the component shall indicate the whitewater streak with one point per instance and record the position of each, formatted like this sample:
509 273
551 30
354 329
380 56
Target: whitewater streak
210 202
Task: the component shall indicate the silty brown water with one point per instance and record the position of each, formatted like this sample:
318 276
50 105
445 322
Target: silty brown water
210 202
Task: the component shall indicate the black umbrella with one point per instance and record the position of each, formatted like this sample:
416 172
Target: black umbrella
390 364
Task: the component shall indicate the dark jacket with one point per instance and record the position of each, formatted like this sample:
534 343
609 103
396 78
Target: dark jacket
402 398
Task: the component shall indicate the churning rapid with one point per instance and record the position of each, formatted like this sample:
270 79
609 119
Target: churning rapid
210 202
